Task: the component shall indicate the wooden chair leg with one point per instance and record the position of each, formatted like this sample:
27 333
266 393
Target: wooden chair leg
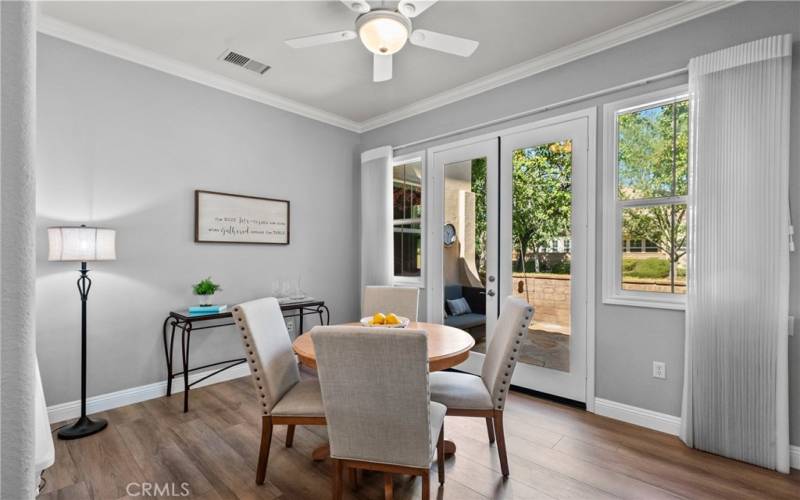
490 429
501 442
440 455
426 486
337 479
388 486
289 435
263 453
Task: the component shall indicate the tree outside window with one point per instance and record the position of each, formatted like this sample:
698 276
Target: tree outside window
652 185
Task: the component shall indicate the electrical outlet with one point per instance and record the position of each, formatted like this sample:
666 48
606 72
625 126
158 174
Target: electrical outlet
659 369
290 326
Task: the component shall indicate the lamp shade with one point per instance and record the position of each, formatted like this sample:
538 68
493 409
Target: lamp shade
81 243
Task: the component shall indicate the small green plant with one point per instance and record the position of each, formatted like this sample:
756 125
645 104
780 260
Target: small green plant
206 287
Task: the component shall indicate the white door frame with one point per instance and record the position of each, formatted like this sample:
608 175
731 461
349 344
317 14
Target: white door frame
434 232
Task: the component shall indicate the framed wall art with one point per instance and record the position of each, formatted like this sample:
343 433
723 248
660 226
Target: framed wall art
235 218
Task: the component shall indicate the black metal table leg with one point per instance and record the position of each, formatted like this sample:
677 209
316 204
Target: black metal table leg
186 333
168 355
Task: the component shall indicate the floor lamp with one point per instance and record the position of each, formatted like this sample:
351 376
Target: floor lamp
82 244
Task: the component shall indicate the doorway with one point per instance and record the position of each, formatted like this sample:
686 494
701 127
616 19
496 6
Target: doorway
511 217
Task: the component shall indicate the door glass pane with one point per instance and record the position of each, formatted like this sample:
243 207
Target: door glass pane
464 262
656 259
542 249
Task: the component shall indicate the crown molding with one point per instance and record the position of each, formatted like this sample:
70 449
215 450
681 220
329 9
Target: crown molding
102 43
658 21
638 28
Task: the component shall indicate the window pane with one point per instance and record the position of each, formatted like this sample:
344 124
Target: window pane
652 146
407 213
657 263
407 250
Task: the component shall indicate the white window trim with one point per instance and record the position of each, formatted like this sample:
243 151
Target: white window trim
414 281
612 220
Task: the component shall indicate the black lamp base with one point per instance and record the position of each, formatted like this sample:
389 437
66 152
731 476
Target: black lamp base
85 426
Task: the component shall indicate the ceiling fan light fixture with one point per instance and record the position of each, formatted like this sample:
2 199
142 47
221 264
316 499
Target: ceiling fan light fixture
383 32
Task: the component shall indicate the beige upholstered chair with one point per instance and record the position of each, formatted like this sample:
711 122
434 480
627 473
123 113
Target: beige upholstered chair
380 416
283 397
466 395
402 301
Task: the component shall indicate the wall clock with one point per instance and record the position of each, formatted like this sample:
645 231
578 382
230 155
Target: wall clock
449 235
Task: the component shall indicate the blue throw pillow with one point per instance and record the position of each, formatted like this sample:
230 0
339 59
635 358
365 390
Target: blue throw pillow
458 306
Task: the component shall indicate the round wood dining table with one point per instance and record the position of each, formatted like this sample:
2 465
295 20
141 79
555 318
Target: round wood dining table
447 347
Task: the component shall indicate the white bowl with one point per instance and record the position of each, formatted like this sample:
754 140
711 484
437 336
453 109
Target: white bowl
367 321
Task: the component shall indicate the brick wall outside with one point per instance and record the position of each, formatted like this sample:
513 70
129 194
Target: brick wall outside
549 294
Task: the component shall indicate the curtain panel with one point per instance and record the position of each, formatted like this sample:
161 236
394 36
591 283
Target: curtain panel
376 217
17 255
735 400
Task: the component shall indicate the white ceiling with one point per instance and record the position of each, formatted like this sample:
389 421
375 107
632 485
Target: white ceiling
338 78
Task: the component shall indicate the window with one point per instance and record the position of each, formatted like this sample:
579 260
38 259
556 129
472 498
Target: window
407 220
646 187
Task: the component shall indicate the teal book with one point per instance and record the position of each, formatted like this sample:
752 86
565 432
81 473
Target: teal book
207 309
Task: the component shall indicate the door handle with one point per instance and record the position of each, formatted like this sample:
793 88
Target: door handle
490 293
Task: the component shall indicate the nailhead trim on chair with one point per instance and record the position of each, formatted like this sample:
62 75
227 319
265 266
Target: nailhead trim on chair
506 378
254 361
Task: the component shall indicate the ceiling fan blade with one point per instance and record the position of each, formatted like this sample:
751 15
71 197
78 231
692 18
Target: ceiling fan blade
321 39
413 8
360 6
444 43
381 68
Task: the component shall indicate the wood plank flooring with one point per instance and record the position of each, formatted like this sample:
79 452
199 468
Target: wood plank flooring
554 452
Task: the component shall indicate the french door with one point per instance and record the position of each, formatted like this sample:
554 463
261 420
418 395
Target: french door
510 217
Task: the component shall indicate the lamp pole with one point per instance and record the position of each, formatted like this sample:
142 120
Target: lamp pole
84 426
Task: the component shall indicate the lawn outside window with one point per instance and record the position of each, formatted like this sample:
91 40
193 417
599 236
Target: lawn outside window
645 200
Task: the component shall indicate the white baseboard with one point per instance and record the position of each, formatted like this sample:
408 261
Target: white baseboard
638 416
103 402
669 424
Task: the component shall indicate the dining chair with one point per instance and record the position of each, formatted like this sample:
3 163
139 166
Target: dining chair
466 395
401 300
284 398
380 416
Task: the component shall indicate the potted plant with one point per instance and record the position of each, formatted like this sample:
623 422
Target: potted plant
206 290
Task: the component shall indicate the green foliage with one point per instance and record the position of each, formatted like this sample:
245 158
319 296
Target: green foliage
650 268
478 187
542 195
205 287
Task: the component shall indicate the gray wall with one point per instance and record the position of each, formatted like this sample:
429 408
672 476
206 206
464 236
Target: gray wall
630 338
124 146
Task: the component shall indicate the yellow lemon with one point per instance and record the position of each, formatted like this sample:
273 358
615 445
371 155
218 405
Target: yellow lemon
378 319
392 319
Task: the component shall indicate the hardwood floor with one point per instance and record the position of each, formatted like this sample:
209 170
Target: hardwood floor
554 452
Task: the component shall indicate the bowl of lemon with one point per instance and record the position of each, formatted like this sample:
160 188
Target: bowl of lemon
390 320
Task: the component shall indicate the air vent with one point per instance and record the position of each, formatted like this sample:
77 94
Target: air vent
244 61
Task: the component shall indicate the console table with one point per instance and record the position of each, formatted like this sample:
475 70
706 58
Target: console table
188 323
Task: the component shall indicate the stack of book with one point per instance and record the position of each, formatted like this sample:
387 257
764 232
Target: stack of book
200 310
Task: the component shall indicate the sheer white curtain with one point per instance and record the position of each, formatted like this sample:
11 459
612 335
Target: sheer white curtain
17 258
735 400
376 217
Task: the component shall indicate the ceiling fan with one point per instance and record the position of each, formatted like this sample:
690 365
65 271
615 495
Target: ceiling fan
385 31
